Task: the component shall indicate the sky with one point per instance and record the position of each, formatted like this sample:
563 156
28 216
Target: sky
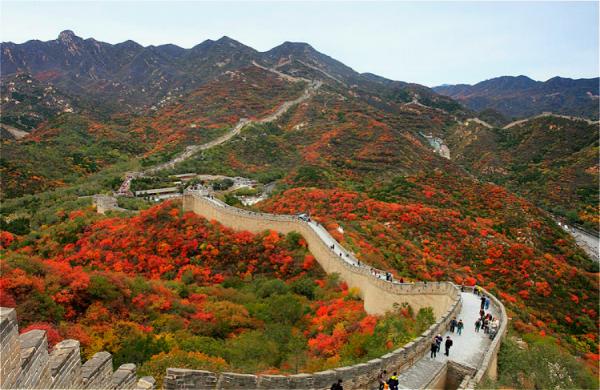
430 43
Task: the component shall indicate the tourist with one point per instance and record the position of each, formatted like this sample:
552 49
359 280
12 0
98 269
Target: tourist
487 303
448 345
393 381
459 327
438 341
453 324
337 385
401 280
482 303
477 325
381 379
481 314
486 324
434 348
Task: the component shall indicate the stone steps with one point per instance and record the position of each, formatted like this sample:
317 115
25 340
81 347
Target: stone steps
422 373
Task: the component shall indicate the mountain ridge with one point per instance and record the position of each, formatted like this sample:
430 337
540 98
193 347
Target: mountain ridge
520 96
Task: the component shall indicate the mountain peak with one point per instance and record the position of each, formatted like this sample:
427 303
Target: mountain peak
67 36
225 40
297 46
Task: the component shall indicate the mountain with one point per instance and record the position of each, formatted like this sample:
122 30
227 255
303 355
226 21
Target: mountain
128 76
521 97
354 150
551 160
123 74
27 101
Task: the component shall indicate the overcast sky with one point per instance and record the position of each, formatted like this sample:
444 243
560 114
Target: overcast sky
428 43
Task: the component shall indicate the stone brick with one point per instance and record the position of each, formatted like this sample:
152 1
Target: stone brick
232 380
146 383
97 372
181 378
65 365
124 377
302 381
35 361
10 354
273 382
324 379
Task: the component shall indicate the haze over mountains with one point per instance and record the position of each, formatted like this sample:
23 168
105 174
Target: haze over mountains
520 97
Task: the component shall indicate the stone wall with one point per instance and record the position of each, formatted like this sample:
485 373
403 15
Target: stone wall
379 296
25 363
358 376
489 365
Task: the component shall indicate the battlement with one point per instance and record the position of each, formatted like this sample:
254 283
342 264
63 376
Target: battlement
25 363
358 376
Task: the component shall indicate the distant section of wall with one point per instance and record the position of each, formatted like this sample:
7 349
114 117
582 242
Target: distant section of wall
379 296
26 364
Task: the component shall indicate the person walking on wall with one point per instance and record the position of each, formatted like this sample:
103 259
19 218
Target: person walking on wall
448 345
393 381
438 341
434 348
482 303
487 303
459 327
453 324
477 325
381 379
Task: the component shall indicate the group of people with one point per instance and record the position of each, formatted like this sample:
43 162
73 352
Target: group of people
386 383
486 321
436 345
456 325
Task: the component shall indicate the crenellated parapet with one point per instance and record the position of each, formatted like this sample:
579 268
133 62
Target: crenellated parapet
357 376
26 363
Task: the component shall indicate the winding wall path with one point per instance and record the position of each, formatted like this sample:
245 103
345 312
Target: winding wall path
542 115
378 294
474 355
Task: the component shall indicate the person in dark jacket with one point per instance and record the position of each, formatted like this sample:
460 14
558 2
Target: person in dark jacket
434 348
452 325
337 385
438 341
448 345
459 327
482 303
381 379
393 381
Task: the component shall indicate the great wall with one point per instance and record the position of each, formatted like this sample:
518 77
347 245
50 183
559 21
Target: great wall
25 361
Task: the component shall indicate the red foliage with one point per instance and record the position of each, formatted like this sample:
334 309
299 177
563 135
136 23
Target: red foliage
51 333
